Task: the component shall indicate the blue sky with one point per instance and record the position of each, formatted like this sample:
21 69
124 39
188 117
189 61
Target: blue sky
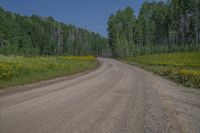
88 14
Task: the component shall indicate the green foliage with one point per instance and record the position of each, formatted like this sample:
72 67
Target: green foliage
121 27
189 78
188 59
22 70
35 35
8 70
159 28
181 67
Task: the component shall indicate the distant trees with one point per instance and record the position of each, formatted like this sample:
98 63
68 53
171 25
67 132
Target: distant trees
122 31
160 27
35 35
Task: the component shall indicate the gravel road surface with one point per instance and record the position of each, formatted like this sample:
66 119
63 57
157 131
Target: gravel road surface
115 98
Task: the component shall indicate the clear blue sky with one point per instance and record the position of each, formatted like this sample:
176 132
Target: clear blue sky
89 14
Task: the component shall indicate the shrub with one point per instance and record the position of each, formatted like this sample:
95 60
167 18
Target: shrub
8 70
187 77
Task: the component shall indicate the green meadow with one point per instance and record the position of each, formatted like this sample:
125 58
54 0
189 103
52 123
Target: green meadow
19 70
180 67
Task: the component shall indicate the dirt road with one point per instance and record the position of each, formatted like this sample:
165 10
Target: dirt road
115 98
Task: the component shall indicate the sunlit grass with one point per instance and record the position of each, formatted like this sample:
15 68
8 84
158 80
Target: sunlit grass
176 59
181 67
22 70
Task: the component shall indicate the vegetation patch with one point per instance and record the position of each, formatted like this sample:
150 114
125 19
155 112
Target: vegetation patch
87 58
180 67
19 70
35 35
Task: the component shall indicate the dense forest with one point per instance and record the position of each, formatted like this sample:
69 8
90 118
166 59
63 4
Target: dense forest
35 35
159 28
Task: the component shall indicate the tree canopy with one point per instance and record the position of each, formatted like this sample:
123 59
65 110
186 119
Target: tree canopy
35 35
160 27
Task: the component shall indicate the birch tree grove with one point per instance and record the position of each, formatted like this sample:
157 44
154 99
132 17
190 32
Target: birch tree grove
35 35
159 28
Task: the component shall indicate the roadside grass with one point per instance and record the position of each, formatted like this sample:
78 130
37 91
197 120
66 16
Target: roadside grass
183 68
18 70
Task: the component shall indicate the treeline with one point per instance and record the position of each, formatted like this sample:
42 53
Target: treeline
160 27
35 35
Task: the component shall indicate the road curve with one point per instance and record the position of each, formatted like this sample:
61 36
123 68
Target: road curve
116 98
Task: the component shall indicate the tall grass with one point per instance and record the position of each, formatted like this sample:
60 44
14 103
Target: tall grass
181 67
22 70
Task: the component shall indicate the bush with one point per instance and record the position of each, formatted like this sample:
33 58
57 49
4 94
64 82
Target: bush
187 77
8 70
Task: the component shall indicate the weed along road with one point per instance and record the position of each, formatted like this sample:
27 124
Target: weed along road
115 98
